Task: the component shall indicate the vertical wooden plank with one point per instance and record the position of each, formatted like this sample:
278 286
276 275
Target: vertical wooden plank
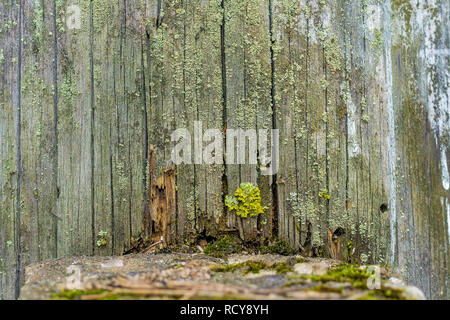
422 110
130 145
289 99
314 161
136 134
305 47
119 132
127 152
161 104
122 165
8 125
177 111
203 96
352 143
75 229
373 109
324 56
39 99
332 194
260 91
172 101
186 109
234 49
119 143
355 149
105 39
248 89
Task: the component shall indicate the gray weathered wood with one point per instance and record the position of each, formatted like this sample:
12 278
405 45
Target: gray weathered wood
360 94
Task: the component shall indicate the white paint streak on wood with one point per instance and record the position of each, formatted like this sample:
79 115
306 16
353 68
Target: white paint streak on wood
353 146
392 156
444 169
373 17
448 220
446 206
438 89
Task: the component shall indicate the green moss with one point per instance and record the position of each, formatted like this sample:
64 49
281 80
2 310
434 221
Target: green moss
383 294
283 267
346 273
254 267
294 280
223 246
75 294
403 7
300 260
324 288
93 295
350 273
279 247
226 296
248 266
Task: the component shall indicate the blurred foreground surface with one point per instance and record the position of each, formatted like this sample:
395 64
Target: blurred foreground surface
197 276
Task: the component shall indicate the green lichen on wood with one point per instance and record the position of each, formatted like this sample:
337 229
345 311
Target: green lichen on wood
223 246
377 42
333 52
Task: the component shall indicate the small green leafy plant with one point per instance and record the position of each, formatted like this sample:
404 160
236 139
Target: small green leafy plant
324 194
246 201
101 239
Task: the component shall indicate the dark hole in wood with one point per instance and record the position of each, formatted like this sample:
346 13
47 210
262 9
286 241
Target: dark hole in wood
383 207
338 232
203 236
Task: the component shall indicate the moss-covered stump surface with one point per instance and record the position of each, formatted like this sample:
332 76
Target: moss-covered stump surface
198 276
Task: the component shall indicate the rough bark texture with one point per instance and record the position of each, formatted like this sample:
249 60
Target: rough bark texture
161 203
358 89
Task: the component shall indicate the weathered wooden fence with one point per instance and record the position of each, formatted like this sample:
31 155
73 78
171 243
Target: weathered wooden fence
358 90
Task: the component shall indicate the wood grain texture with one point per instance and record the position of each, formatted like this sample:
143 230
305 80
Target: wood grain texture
358 90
